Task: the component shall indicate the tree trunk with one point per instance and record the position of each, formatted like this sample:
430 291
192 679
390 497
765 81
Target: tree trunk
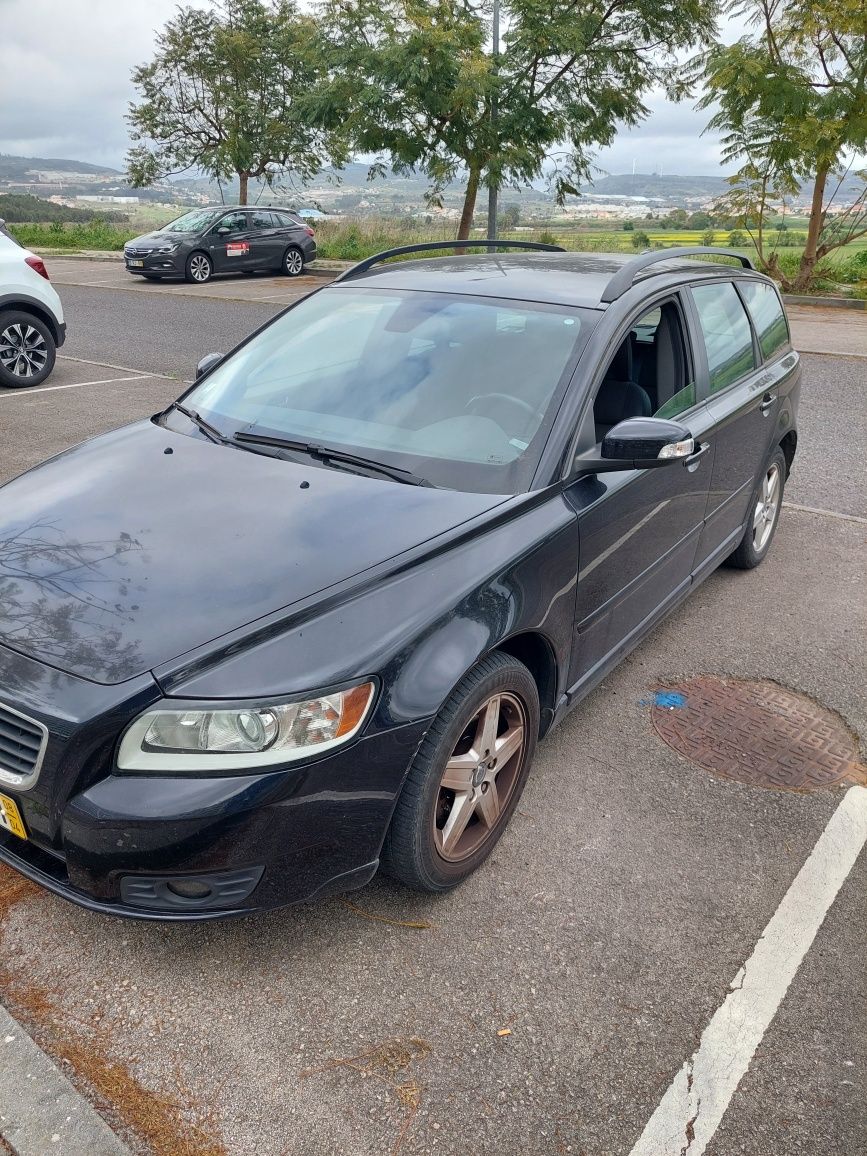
243 178
469 204
814 230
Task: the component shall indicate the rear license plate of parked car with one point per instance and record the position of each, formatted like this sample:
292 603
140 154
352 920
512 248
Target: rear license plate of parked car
135 264
10 817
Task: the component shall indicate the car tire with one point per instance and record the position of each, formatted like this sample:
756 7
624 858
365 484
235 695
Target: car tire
293 262
199 268
422 850
764 515
27 350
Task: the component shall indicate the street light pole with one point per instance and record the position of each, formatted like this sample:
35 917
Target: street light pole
492 188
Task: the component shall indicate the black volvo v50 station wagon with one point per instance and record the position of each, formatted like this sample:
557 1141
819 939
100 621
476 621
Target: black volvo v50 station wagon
314 617
234 239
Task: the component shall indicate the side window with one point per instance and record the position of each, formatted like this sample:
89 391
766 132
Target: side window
727 334
234 222
261 220
766 310
649 374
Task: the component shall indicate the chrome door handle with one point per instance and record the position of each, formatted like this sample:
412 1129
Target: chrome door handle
694 460
767 403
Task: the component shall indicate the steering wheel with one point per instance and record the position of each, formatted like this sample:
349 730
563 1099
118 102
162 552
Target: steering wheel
518 402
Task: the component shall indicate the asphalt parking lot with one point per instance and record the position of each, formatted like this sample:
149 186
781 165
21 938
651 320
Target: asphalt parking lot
549 1003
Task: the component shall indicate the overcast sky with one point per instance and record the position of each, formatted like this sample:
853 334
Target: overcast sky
64 89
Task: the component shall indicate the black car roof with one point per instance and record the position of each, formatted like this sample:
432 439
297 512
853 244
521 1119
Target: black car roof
554 278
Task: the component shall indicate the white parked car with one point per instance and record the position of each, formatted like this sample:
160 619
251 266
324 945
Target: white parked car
31 316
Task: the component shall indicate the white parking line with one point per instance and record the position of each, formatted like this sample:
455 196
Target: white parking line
691 1110
71 385
108 365
824 513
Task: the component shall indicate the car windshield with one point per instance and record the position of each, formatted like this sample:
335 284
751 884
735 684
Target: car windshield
461 391
192 222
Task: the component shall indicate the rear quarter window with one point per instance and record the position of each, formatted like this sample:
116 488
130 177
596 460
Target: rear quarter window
728 337
766 310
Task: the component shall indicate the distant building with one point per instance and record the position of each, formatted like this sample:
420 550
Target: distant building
109 200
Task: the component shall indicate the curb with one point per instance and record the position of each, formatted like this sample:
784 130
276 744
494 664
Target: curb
321 267
825 302
40 1111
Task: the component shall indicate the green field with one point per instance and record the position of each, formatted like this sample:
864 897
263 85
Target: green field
351 240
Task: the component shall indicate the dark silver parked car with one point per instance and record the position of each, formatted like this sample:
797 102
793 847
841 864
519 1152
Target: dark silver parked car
229 239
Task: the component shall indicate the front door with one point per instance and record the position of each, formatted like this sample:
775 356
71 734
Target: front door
743 403
229 243
638 529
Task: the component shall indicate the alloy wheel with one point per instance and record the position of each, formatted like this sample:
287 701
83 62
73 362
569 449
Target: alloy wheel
23 350
480 777
294 262
200 268
765 513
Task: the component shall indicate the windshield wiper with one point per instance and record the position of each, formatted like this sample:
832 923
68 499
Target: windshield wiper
325 454
205 426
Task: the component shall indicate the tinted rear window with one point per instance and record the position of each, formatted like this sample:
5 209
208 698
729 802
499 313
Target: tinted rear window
768 317
727 334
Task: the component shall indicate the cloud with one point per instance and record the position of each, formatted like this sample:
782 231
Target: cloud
66 74
66 86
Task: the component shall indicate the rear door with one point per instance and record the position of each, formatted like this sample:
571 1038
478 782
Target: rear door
266 243
743 402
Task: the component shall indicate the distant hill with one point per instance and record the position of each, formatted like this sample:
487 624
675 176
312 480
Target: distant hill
664 187
22 208
21 168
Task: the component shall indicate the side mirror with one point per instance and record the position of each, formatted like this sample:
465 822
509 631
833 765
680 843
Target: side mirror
222 230
639 443
207 363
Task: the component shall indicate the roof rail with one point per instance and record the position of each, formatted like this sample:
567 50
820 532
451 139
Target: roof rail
425 247
625 276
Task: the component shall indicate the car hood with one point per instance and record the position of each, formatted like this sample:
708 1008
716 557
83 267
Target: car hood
156 240
135 547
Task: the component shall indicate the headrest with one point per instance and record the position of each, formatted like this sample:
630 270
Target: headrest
618 400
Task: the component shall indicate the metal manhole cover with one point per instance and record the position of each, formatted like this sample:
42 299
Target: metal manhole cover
757 733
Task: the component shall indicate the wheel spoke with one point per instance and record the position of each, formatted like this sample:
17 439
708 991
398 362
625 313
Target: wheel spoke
759 516
508 745
462 811
459 772
773 484
488 726
488 805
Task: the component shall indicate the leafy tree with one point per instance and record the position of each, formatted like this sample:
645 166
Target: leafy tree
414 83
698 221
792 98
509 216
640 240
736 239
708 237
229 93
678 216
628 226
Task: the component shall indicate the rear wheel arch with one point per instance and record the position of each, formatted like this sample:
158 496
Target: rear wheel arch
789 445
27 306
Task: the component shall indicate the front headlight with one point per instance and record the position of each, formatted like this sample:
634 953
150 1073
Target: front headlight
167 249
240 738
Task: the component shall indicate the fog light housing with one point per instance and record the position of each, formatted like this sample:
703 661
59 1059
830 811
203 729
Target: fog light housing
211 889
189 888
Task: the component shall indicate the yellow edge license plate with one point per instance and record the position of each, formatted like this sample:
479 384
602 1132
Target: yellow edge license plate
10 817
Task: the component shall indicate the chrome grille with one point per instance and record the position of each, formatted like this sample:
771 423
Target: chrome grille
22 745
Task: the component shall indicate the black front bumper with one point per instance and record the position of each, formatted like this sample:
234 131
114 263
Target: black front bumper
272 838
163 263
115 842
